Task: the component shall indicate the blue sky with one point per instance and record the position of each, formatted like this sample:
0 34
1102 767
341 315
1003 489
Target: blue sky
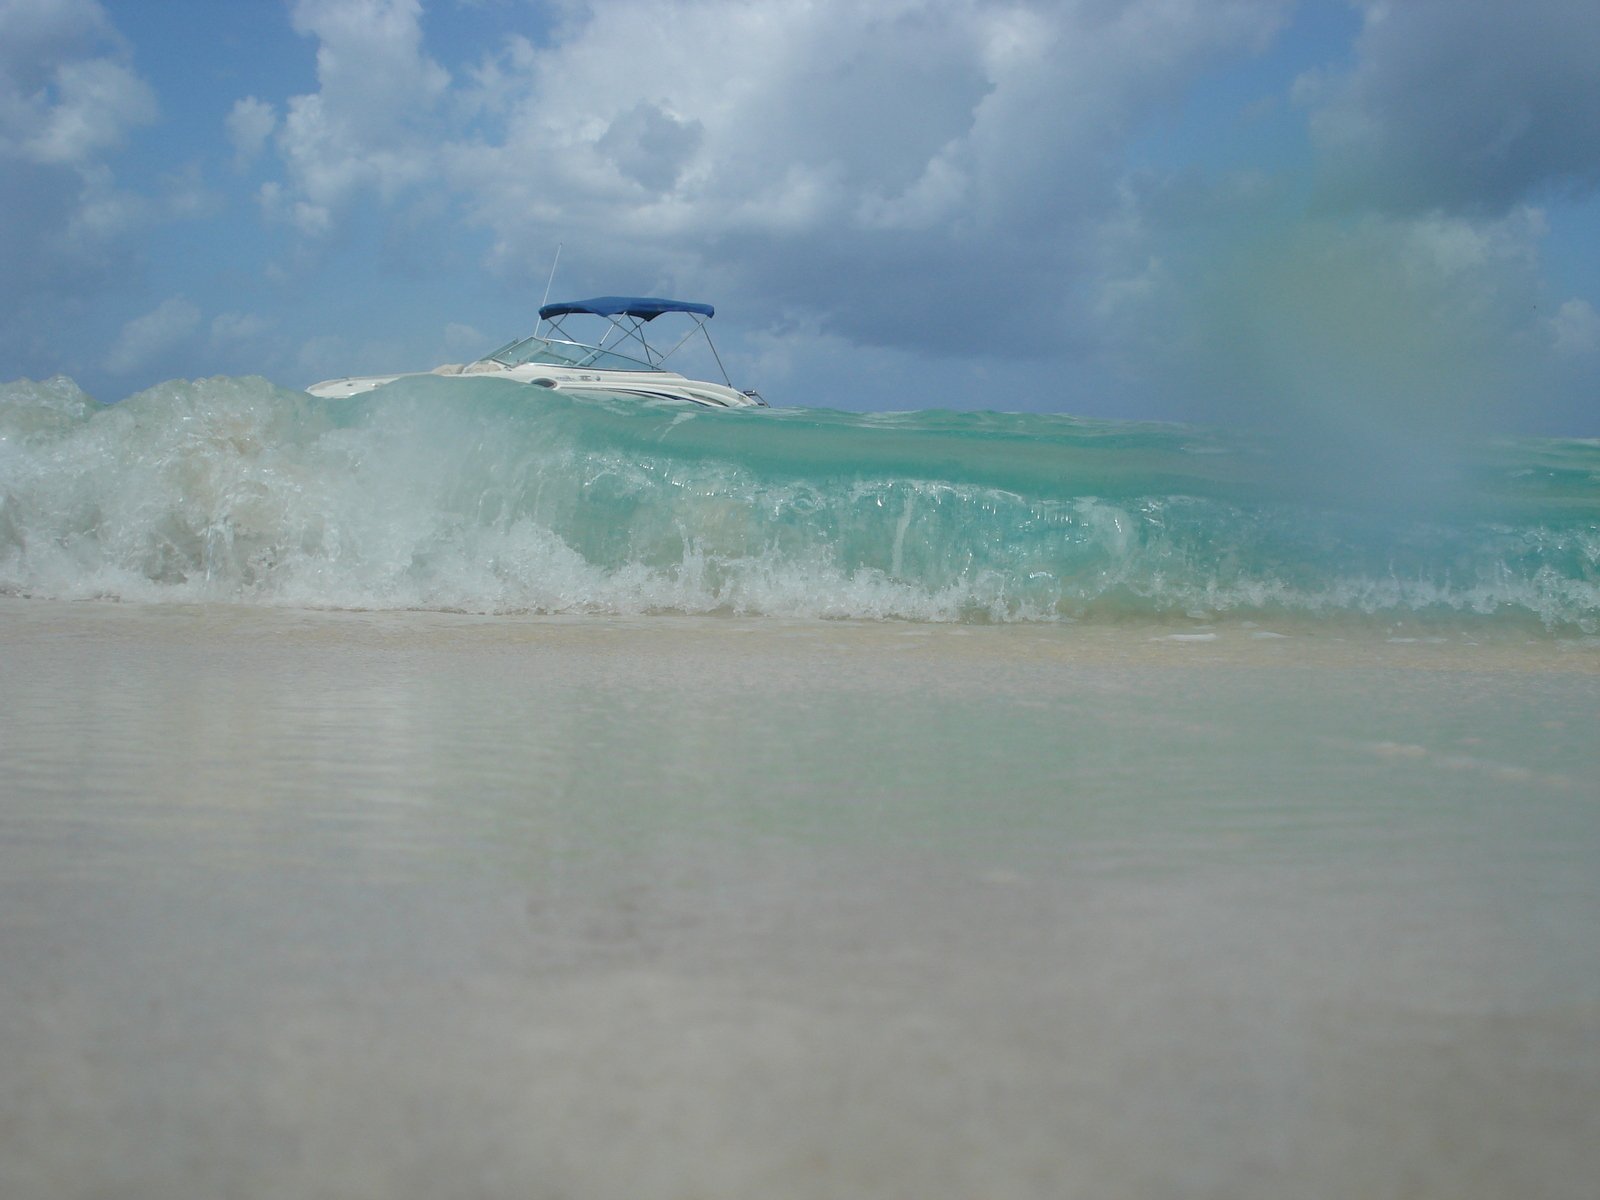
1259 211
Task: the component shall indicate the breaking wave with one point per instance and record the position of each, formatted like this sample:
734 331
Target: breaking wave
486 496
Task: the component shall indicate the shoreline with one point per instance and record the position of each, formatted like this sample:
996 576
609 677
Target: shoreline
1304 640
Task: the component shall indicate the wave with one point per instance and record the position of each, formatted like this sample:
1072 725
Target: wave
485 496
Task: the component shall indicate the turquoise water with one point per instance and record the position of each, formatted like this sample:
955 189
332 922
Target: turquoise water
484 496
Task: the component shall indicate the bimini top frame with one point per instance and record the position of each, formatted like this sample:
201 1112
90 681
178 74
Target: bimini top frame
628 316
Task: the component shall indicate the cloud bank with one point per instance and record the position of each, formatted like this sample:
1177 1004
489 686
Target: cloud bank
904 203
876 171
1465 106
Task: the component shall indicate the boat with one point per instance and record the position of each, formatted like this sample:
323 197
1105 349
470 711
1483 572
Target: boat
622 362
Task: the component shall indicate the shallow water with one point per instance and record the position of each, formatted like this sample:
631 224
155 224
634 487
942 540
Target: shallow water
412 904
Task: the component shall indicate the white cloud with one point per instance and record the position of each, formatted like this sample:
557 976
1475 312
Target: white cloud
371 124
146 338
250 123
67 99
96 102
66 93
70 100
704 118
791 147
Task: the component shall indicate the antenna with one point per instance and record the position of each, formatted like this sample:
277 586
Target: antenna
547 284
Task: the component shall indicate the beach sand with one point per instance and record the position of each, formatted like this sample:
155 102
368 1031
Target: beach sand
304 904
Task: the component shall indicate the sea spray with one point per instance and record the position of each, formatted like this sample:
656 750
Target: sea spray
486 496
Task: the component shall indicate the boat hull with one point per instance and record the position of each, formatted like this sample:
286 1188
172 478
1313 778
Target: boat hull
642 385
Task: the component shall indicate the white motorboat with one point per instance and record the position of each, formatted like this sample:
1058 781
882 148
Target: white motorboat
554 359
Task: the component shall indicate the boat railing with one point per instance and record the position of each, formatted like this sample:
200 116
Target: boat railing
566 353
628 329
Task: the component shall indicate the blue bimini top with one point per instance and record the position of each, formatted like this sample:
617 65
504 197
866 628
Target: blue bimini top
645 308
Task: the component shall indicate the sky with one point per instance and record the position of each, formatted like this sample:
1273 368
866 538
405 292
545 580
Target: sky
1380 212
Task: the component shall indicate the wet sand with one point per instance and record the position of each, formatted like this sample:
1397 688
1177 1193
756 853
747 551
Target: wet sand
393 905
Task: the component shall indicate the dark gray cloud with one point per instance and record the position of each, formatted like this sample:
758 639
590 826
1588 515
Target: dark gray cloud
650 145
1470 106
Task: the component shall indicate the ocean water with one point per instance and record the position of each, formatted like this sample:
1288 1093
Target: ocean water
474 794
481 496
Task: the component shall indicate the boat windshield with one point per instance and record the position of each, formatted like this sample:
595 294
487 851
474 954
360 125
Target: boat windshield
565 354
